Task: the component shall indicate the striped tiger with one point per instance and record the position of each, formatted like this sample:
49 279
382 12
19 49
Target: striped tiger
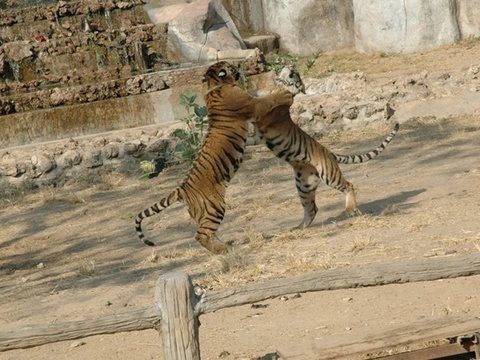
310 160
203 190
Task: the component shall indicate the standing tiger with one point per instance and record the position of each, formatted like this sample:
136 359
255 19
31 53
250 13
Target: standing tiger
310 160
203 191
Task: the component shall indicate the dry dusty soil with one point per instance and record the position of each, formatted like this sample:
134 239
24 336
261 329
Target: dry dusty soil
71 253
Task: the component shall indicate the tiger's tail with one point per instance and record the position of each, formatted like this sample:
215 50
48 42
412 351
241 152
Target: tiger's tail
355 159
173 197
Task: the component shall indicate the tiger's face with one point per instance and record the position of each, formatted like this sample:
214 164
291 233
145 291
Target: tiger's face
221 73
290 78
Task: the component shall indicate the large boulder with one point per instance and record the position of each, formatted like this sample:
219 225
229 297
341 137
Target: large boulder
310 26
305 27
468 15
198 30
247 14
394 26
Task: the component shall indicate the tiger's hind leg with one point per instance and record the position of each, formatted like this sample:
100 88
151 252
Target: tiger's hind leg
306 181
206 237
336 180
350 200
208 223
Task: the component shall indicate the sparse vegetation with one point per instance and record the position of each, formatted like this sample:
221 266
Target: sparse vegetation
147 168
360 244
86 268
190 139
276 62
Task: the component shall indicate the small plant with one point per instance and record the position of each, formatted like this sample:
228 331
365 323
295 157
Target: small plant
276 62
311 61
191 138
147 168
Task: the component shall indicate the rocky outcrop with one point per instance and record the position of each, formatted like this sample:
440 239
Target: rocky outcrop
394 26
199 31
391 26
305 27
468 18
309 26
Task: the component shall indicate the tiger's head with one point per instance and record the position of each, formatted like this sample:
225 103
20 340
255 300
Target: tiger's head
289 77
221 73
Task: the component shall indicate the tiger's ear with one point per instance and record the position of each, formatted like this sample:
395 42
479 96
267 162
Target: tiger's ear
222 73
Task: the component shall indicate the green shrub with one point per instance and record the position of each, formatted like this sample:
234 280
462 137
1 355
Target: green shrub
190 138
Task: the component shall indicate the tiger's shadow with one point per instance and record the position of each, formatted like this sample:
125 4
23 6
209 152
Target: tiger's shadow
386 206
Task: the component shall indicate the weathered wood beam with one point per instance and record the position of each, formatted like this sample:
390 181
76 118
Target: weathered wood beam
40 334
342 278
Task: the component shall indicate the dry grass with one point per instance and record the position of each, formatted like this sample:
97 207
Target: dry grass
360 244
86 268
48 195
255 239
234 261
299 263
349 60
365 222
472 238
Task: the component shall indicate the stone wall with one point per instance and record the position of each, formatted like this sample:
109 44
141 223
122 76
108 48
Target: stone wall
391 26
112 105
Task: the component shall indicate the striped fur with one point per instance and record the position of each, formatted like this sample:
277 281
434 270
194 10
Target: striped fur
203 191
310 160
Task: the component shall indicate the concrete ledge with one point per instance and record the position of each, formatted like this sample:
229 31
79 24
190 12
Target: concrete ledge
83 119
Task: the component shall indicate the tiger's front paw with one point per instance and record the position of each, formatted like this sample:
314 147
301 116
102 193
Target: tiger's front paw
284 97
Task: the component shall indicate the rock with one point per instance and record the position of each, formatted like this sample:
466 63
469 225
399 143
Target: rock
93 158
77 344
110 151
42 164
133 147
56 97
394 26
8 165
198 30
154 83
351 113
98 141
473 72
159 146
305 27
309 26
17 50
134 85
266 43
468 18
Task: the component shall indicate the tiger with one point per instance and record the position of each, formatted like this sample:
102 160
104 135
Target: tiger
203 190
311 161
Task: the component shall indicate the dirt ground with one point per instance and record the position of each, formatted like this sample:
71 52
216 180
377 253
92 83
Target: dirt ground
71 253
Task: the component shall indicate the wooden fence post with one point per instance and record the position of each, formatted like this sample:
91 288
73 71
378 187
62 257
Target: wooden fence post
175 299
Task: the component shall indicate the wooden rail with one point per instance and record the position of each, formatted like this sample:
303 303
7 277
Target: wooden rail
188 307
